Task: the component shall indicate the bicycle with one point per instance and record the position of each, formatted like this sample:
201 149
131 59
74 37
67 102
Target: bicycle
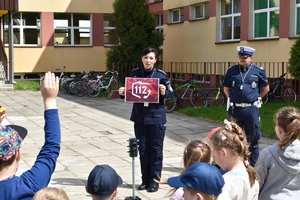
197 97
287 93
95 87
215 97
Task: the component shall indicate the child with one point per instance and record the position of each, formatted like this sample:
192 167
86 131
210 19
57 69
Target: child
230 152
3 121
200 180
51 193
279 164
25 186
103 182
195 151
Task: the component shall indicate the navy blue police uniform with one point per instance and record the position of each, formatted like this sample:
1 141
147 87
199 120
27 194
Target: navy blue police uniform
244 92
149 127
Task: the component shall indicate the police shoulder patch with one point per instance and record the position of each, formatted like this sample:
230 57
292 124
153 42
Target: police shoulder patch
161 71
259 67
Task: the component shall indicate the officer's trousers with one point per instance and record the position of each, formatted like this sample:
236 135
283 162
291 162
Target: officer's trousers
151 140
248 119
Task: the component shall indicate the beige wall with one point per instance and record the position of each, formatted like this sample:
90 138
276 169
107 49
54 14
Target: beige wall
49 58
88 6
170 4
195 42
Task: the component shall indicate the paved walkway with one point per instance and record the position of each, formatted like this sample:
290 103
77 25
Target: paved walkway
95 131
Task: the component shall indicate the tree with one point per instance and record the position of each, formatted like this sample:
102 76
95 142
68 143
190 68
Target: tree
135 27
294 61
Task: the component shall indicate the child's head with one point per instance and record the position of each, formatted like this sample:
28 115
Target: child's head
11 137
2 113
51 193
200 179
103 181
196 151
229 146
231 138
287 127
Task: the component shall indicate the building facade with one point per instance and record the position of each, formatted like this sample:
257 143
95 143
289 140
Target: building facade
76 34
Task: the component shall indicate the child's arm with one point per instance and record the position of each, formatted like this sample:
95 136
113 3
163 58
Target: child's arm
49 90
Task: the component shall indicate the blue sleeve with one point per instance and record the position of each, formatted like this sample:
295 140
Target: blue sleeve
40 174
263 81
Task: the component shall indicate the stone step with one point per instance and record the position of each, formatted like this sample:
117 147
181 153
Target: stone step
7 87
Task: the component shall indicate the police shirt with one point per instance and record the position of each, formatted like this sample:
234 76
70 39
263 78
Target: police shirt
154 113
245 84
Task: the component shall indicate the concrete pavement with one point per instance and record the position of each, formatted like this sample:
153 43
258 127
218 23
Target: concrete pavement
95 131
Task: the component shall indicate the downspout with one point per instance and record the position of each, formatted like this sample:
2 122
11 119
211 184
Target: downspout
11 48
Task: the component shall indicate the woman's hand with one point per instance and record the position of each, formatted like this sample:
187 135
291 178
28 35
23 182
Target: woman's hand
122 91
162 89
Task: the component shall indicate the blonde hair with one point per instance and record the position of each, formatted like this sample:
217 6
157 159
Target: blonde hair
51 193
234 140
288 118
204 195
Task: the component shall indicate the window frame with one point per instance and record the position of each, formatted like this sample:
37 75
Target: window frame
232 16
21 27
108 29
180 15
267 10
71 27
202 6
297 13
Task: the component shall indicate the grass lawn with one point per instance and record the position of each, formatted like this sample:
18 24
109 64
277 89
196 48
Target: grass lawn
27 85
218 114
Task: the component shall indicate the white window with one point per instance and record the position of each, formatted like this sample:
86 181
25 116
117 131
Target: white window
159 22
266 19
110 35
176 15
153 1
298 17
72 29
26 29
230 20
199 11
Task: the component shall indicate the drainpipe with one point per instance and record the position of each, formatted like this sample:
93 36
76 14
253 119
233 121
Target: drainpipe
11 48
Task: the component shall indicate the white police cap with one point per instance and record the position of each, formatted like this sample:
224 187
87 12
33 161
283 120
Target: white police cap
244 50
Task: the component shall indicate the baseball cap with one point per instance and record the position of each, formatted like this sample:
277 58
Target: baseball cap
245 51
11 137
200 176
103 180
2 109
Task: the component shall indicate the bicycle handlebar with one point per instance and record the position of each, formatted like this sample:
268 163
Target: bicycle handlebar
283 75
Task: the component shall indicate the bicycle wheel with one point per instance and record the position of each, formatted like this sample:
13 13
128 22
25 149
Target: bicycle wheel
265 99
93 91
215 97
170 103
288 94
197 98
80 89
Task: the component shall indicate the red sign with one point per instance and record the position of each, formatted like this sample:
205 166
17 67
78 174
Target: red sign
141 90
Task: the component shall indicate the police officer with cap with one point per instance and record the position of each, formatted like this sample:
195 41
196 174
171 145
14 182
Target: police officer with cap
150 122
245 84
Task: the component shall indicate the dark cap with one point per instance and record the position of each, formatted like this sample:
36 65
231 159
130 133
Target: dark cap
200 176
103 180
11 137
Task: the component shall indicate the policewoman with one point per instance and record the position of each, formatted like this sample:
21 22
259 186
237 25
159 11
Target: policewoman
150 122
244 85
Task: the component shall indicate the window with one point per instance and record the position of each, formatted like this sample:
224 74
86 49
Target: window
176 15
26 29
153 1
72 29
230 20
298 17
199 11
159 22
110 35
266 18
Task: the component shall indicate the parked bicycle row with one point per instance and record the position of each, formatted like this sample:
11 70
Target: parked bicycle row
216 96
89 83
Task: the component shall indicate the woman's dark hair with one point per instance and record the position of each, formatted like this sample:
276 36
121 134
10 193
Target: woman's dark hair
150 50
